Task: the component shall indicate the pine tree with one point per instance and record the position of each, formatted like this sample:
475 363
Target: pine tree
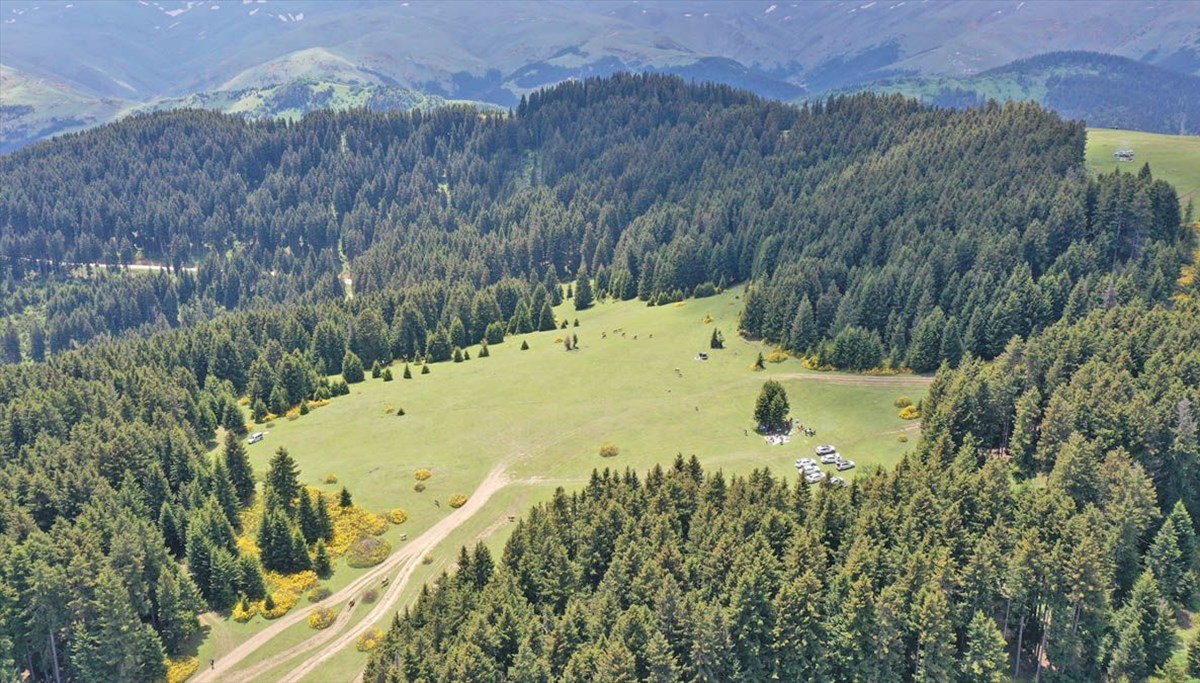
935 638
324 521
352 368
224 580
583 291
1193 655
344 498
299 559
760 363
112 644
321 564
407 372
661 666
1165 560
545 317
283 479
251 582
424 369
798 634
376 370
306 518
483 349
716 341
524 345
171 525
221 488
178 602
1145 631
985 659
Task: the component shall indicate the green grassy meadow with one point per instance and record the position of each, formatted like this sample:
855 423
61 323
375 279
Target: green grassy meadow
545 413
1174 158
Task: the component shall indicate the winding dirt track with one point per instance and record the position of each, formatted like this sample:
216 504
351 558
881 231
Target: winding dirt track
407 559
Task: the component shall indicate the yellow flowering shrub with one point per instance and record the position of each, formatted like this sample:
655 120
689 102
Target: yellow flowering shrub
398 516
321 618
423 474
351 524
777 356
369 640
244 611
331 478
910 413
244 401
179 669
457 500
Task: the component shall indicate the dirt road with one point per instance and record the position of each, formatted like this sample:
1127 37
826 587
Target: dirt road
407 559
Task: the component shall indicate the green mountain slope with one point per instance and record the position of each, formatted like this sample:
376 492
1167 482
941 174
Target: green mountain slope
1104 90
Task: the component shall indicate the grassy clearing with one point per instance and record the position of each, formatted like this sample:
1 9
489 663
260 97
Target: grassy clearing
546 412
1174 158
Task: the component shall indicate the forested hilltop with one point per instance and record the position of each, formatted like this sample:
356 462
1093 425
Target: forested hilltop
872 231
866 217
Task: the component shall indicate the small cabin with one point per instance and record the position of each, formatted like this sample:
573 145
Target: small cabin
1123 155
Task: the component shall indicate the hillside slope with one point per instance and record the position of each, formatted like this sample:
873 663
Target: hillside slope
1106 91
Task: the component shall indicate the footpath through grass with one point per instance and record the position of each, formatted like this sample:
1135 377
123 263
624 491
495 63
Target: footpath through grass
546 412
1174 158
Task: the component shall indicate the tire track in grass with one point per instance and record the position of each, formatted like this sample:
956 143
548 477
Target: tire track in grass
406 559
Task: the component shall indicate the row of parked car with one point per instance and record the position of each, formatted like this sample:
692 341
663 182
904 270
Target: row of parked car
828 455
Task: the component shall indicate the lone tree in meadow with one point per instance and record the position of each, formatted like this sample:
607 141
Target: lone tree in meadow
771 409
717 341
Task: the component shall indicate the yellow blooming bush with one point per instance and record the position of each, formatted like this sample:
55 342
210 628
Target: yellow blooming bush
285 591
457 500
777 356
331 478
244 611
351 524
398 516
321 618
423 474
179 669
369 640
910 413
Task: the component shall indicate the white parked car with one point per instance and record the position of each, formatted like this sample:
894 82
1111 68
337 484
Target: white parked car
826 450
805 462
844 465
814 477
255 437
830 458
837 481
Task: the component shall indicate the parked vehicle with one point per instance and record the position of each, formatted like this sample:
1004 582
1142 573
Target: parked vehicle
814 477
830 458
844 465
826 449
255 437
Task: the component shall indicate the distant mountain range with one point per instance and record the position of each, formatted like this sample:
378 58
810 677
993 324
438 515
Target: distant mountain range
1107 91
68 65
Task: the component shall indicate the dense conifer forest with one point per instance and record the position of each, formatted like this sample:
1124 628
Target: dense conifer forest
872 231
